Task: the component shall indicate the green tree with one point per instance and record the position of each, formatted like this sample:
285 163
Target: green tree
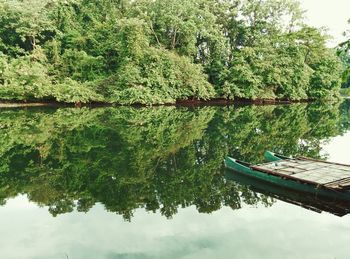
154 52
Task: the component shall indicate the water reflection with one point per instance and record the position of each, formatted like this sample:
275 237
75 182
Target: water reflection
159 159
308 201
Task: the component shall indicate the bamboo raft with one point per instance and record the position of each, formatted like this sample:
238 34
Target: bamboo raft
302 174
317 172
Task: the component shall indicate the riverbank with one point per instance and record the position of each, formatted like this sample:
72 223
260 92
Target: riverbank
190 102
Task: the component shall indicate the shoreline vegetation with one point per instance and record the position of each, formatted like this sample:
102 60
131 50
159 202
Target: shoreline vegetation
180 103
157 52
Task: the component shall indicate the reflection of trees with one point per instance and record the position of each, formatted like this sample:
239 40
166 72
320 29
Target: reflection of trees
157 159
345 114
294 129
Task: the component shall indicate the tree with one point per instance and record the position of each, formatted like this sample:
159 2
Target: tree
25 24
343 51
154 52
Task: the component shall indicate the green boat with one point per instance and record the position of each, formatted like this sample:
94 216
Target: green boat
300 174
271 156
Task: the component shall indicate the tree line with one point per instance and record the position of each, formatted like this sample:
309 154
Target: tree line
162 51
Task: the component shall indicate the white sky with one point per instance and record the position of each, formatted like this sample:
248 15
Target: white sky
332 14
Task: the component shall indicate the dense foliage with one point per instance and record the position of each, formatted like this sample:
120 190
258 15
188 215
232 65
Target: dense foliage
343 52
161 51
157 159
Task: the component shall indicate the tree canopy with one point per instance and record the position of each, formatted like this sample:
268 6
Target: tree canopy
161 51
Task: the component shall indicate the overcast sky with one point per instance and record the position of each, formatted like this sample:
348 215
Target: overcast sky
332 14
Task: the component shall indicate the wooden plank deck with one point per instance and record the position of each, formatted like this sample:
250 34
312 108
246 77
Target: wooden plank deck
329 175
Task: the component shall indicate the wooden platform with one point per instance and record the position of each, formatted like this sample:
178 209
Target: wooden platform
329 175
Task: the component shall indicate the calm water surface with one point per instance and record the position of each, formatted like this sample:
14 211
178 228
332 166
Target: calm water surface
149 183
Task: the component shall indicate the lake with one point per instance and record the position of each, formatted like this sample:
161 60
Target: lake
124 182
